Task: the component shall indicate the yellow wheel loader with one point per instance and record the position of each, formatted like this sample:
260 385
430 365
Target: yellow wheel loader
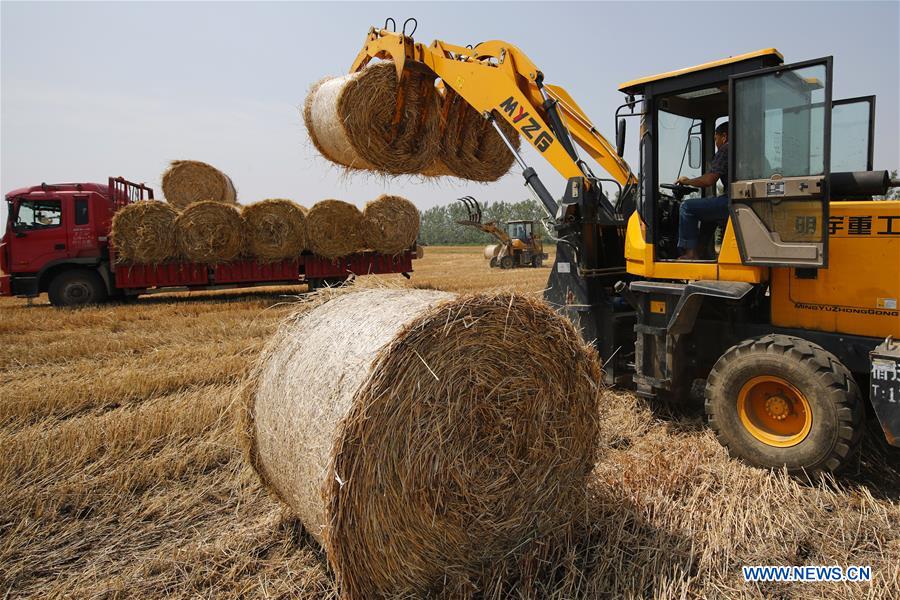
520 245
790 311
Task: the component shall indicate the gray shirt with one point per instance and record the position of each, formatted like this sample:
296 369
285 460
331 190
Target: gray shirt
719 164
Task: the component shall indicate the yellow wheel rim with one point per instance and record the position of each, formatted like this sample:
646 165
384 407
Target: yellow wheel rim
774 411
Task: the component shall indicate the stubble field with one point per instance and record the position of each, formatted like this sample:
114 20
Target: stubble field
120 473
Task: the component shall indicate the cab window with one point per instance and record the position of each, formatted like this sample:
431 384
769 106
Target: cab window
519 231
81 210
675 134
781 120
38 214
852 127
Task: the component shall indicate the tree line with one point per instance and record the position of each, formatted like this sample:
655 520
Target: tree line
439 224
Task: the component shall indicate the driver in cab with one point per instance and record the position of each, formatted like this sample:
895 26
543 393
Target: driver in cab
695 210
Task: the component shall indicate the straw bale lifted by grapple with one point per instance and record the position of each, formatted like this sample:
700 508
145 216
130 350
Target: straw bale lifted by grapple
393 424
352 120
470 146
189 181
144 233
275 229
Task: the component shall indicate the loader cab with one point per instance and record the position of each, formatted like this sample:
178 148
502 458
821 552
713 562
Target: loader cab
520 230
781 158
681 111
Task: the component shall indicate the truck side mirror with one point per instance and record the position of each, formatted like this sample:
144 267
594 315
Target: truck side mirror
620 137
695 153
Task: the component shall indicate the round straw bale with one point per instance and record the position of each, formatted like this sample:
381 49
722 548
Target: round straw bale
189 181
412 446
275 229
210 232
334 228
491 251
470 146
350 120
390 224
144 232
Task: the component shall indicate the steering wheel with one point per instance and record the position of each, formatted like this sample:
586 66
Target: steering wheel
679 190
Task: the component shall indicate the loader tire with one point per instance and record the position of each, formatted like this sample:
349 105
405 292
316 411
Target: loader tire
507 262
781 401
76 287
494 263
537 262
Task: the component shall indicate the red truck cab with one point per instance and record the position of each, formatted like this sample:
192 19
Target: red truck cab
57 241
53 229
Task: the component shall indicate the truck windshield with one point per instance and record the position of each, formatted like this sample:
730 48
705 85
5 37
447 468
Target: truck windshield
38 214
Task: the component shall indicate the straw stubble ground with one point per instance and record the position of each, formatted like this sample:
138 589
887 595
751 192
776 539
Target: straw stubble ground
120 474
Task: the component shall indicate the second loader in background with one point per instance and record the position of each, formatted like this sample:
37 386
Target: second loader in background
519 245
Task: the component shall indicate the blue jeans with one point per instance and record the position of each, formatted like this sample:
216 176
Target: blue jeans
694 211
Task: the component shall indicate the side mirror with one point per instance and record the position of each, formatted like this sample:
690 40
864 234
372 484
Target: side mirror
695 152
620 137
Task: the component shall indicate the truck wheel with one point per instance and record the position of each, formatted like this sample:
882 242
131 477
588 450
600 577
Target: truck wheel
780 401
537 262
76 287
507 262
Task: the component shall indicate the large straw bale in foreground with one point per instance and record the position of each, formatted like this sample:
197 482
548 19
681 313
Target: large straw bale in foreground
350 120
334 228
210 232
414 437
275 229
144 232
189 181
390 224
470 146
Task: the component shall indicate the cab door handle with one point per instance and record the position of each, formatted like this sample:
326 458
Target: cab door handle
59 247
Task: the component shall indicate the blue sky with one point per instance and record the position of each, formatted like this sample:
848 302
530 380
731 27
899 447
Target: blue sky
97 89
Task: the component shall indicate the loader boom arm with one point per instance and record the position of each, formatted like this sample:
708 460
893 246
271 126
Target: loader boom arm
499 80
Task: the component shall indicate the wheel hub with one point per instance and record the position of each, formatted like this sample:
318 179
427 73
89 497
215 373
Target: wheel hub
777 407
77 292
774 411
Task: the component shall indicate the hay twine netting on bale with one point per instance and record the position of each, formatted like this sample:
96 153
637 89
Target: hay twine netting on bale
397 426
275 229
350 120
144 232
390 224
210 232
470 146
334 228
189 181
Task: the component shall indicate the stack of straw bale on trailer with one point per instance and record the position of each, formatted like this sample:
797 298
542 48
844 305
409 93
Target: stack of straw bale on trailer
219 230
275 229
189 181
394 425
144 232
355 121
